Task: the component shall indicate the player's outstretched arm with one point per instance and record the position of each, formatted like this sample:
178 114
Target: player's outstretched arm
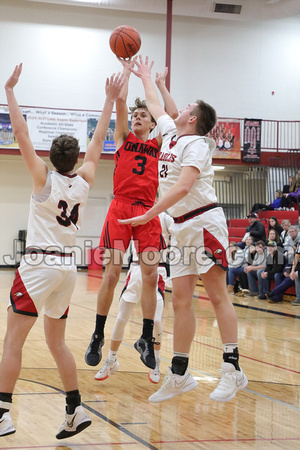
34 163
143 71
170 105
113 87
122 129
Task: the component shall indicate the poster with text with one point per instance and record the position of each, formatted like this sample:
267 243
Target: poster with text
46 124
252 140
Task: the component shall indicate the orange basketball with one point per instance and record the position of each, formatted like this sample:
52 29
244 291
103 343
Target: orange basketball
125 41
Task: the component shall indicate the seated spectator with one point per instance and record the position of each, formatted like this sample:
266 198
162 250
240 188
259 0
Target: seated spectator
275 296
269 206
291 187
288 189
292 199
255 229
237 260
294 236
258 263
275 225
274 268
295 273
285 233
243 279
274 236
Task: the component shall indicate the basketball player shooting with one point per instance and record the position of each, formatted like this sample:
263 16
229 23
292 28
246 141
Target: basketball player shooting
135 186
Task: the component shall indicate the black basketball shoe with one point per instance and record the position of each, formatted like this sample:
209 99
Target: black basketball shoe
94 352
146 349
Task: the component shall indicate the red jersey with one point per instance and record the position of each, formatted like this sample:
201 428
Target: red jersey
136 170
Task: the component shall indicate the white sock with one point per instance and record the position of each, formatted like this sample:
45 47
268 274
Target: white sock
112 355
157 355
228 348
183 355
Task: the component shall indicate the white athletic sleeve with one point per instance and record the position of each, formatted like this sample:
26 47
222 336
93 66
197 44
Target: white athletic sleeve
166 125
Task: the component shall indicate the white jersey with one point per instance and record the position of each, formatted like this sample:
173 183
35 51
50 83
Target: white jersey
54 223
190 150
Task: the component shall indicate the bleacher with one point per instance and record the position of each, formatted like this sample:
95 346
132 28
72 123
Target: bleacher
237 229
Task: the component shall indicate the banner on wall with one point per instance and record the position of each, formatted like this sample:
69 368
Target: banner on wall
46 124
252 140
226 134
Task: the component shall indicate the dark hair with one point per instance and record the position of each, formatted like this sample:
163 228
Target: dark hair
64 152
260 243
140 104
272 227
206 117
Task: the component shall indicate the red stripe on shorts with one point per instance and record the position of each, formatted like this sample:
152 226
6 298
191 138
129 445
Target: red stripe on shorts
20 299
214 249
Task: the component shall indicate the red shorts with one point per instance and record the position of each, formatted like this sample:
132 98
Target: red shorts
117 236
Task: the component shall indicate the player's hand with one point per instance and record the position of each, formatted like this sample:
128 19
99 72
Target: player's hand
114 85
143 68
135 221
128 64
161 77
14 78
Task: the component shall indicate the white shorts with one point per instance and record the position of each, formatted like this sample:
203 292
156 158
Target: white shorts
132 290
199 243
43 285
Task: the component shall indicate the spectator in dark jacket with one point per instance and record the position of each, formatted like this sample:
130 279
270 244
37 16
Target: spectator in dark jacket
255 229
275 264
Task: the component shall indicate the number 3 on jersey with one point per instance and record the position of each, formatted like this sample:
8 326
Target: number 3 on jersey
141 165
164 171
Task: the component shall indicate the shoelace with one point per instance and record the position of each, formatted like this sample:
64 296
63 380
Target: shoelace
95 345
168 380
225 380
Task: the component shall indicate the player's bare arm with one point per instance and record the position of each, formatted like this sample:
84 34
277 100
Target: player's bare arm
88 169
122 129
36 166
144 72
178 191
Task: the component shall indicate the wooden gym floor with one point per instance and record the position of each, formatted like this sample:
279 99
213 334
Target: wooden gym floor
266 415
